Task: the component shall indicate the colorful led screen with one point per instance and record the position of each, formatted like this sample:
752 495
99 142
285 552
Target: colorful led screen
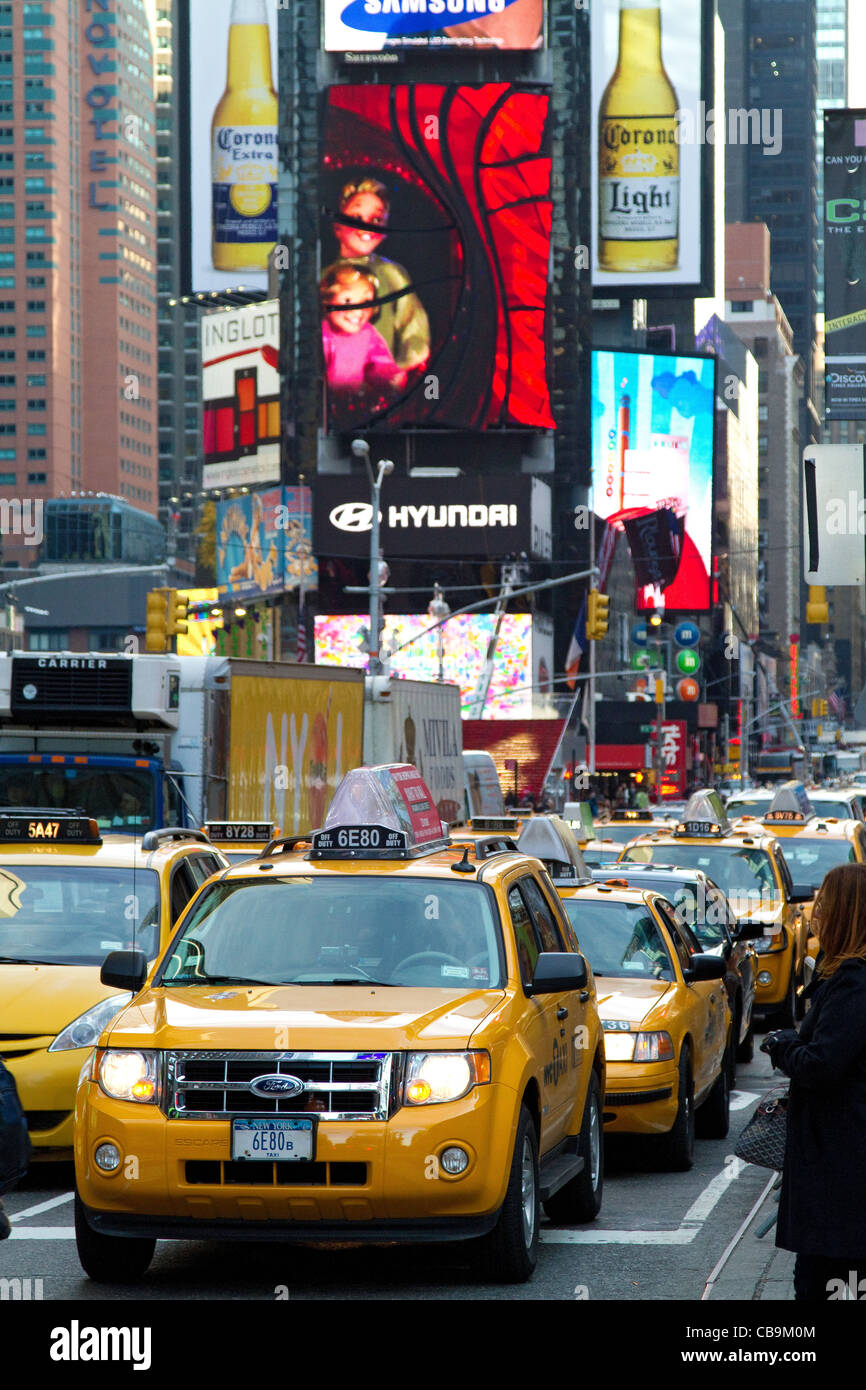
435 248
652 469
464 642
432 25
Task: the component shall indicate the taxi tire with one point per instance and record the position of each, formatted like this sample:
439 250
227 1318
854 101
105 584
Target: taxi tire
505 1256
786 1015
110 1259
713 1119
578 1201
677 1148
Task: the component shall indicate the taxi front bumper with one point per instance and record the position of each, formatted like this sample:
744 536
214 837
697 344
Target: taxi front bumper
368 1180
640 1099
777 964
46 1083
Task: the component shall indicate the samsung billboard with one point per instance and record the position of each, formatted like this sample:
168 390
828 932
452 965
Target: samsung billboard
433 26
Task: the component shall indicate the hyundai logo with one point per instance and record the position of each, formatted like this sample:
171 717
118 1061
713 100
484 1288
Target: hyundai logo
353 516
283 1086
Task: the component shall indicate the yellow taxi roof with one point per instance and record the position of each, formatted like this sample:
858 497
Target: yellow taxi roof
116 851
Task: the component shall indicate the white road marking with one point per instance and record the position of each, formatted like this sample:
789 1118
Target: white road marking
44 1233
741 1100
684 1234
43 1206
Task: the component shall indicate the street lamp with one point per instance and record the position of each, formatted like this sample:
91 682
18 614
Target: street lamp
361 450
437 611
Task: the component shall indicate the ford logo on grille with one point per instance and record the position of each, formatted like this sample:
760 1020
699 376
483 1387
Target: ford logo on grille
285 1087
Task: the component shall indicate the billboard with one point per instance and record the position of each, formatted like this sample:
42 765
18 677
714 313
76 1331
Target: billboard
241 396
652 147
435 248
652 448
845 264
365 26
265 543
488 517
230 134
464 641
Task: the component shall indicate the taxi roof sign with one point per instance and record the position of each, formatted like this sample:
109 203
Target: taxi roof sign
579 816
704 814
380 812
791 803
38 826
552 840
622 813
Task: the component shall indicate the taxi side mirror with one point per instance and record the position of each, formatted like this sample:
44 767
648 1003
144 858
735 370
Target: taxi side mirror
124 970
747 930
558 970
801 894
704 967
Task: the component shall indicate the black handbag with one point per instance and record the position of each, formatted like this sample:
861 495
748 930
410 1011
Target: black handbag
14 1136
762 1142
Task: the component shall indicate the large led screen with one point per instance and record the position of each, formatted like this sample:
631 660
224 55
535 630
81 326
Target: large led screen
844 265
653 422
232 136
464 642
432 25
653 140
435 248
241 396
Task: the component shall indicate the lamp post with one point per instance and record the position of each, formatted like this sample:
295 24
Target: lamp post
437 611
361 449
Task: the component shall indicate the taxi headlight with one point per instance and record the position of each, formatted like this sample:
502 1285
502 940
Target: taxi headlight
85 1031
618 1047
654 1047
433 1077
125 1074
776 942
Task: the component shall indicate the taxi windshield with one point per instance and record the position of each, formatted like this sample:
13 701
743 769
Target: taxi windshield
810 860
827 806
424 933
620 940
75 914
622 831
749 805
120 801
744 874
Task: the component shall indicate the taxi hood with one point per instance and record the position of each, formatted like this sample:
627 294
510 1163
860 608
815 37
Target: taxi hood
629 999
304 1018
771 915
39 1000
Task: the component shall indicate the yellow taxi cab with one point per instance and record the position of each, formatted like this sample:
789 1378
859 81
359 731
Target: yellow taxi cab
239 840
747 863
627 822
388 1038
68 897
664 1010
812 843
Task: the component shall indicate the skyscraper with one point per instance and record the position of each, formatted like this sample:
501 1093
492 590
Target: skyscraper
77 254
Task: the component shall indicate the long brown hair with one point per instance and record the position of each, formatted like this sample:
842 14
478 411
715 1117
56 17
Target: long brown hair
840 916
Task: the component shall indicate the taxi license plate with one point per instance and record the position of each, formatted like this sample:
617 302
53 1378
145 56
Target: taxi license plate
281 1140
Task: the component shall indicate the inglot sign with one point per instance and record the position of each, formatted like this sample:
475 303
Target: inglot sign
486 517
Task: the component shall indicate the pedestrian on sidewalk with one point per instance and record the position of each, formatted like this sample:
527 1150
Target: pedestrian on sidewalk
822 1215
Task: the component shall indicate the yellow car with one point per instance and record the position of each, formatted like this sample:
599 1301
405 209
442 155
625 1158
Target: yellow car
747 863
68 897
665 1015
388 1038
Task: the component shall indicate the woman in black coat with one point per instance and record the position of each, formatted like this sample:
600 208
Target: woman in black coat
822 1213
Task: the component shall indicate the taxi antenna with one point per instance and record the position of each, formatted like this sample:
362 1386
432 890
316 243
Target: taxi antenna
464 867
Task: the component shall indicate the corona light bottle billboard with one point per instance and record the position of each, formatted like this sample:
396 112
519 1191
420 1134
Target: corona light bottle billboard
244 145
639 154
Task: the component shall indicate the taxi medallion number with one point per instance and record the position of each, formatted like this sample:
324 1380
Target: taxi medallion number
43 830
279 1140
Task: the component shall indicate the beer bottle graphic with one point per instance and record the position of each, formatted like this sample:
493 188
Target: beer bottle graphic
638 154
244 146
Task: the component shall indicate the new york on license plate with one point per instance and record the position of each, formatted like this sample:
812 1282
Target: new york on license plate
279 1140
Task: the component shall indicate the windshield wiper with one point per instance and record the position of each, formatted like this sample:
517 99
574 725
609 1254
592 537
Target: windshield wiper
342 980
28 960
218 980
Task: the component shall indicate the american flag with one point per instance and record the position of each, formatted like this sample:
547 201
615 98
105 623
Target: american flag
836 701
301 648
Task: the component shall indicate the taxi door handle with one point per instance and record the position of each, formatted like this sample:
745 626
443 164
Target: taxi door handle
561 1012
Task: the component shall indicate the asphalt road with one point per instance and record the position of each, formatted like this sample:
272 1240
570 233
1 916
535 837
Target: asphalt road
659 1236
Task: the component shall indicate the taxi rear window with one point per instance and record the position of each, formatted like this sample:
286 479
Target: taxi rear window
75 915
423 933
810 860
620 940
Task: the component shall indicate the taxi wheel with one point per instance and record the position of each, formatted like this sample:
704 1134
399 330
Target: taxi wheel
510 1252
786 1014
713 1120
580 1199
677 1147
110 1259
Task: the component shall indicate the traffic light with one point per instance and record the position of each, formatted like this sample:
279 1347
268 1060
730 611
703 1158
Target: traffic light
822 707
597 615
177 613
654 618
156 632
816 608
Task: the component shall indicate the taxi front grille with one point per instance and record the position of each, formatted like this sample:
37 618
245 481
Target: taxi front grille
337 1086
216 1173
